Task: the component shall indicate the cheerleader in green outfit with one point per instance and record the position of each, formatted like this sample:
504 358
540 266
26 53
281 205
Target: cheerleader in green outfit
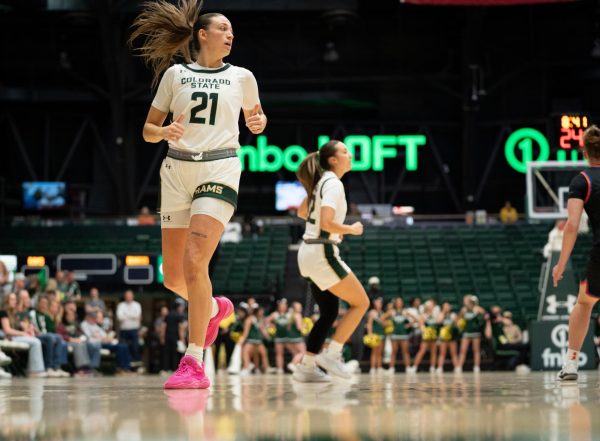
401 333
429 328
448 337
280 319
473 316
252 343
375 327
295 339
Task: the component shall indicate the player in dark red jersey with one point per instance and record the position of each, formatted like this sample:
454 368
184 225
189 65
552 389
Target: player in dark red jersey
584 194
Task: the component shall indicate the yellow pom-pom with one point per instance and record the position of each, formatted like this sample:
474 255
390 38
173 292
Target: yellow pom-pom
429 334
372 340
389 327
272 330
462 324
446 333
224 324
307 325
235 336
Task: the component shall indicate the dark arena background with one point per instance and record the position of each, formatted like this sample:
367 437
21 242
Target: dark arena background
465 120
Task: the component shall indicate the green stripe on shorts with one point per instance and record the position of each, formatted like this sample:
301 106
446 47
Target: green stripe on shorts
336 266
218 191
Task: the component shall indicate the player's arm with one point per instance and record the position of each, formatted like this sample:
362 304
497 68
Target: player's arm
302 212
154 130
256 120
574 209
329 225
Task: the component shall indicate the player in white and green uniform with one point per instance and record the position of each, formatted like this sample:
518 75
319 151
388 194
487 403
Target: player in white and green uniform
200 176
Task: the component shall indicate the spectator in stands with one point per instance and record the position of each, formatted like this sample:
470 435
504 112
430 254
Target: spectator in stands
494 330
85 354
32 284
95 303
24 301
511 329
129 315
251 227
95 334
17 328
56 311
5 284
18 283
73 291
145 217
106 321
53 346
374 290
174 337
52 291
61 281
555 239
508 214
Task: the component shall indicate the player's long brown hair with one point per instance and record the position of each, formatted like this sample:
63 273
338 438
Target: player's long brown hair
591 142
169 31
311 169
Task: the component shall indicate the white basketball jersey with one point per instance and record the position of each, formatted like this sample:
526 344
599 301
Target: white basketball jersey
329 192
211 100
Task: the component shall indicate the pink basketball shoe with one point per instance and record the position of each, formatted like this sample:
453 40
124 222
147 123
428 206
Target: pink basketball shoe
225 310
189 375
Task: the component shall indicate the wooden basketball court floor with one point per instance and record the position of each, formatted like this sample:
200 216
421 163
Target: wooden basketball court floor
489 406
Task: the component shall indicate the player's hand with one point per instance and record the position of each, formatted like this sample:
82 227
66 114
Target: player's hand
256 123
356 229
557 274
174 131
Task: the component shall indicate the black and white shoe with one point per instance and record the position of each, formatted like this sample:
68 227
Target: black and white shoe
567 373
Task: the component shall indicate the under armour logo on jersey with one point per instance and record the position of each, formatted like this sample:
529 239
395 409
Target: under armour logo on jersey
198 157
168 166
166 218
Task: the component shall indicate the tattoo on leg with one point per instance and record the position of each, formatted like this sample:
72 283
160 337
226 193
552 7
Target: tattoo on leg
195 233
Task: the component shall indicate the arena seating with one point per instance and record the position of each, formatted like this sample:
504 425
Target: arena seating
253 265
499 263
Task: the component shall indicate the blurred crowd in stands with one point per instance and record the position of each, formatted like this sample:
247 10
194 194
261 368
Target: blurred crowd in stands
50 329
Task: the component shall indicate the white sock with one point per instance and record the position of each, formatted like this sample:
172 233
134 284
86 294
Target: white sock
572 356
335 348
195 351
308 361
215 308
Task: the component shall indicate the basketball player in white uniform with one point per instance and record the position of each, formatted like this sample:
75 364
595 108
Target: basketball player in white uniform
319 260
200 176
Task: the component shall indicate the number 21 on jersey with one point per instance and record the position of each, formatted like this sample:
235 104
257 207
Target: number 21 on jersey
204 99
